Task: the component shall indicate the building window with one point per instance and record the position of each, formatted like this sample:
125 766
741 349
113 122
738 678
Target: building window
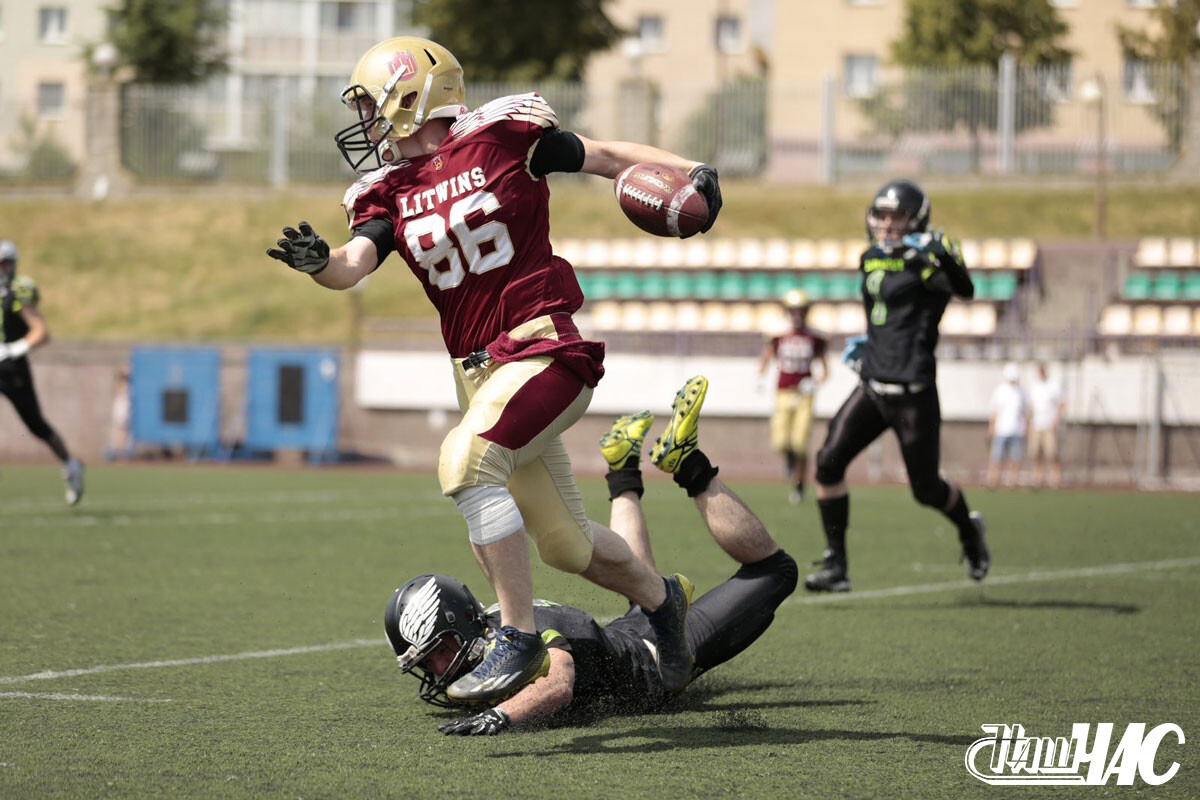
858 76
1055 81
51 100
1137 80
729 35
52 25
650 34
348 17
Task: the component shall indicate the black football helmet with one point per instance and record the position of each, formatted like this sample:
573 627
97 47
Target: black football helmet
900 197
426 612
8 257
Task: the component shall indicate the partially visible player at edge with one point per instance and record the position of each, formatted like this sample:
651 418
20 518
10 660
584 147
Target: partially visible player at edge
791 424
25 329
438 629
909 275
462 197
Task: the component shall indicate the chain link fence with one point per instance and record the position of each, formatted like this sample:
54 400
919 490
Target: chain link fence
1007 120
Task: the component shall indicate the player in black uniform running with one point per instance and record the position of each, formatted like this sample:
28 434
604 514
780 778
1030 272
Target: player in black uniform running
909 275
24 329
440 631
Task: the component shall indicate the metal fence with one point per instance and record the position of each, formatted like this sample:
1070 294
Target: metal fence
1009 120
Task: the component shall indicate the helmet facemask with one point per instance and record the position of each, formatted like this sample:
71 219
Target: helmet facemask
900 208
433 684
373 135
888 227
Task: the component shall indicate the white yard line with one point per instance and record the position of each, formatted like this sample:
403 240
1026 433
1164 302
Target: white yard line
1101 570
94 698
229 518
188 662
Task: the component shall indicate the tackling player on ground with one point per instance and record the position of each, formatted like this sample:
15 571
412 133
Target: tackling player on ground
438 629
909 275
25 329
462 197
791 423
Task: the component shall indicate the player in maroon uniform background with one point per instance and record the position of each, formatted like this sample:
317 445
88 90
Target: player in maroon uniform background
791 423
461 196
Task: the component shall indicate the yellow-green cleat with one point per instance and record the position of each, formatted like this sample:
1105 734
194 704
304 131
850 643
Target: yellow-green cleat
682 435
623 442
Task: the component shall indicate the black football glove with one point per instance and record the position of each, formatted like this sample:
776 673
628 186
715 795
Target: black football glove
303 250
485 723
704 178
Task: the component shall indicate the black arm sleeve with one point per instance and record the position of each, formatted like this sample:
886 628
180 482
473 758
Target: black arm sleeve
951 275
380 232
556 151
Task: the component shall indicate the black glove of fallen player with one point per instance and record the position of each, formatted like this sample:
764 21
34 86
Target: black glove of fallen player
485 723
704 178
303 250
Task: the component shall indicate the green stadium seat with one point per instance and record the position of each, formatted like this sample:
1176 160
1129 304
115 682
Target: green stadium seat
814 286
759 286
600 285
704 285
784 282
627 286
1167 286
1137 286
843 286
1191 286
732 286
983 284
679 285
654 285
1002 286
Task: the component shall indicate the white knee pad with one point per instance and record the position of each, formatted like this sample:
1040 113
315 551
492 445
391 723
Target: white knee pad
490 511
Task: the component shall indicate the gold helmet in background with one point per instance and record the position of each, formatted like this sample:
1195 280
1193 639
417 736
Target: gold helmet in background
795 299
396 87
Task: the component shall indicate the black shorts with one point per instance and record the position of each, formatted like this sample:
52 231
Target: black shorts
728 619
16 383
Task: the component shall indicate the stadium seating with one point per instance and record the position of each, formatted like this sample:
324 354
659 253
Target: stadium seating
734 285
1161 295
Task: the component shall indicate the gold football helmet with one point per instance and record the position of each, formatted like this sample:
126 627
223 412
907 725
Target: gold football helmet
795 299
396 87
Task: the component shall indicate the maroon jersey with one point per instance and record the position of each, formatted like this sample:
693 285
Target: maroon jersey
473 224
796 351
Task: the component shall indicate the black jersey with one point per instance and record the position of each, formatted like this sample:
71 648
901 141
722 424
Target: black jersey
905 293
614 664
21 294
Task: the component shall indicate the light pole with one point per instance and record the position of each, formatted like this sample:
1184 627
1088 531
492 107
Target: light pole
1094 93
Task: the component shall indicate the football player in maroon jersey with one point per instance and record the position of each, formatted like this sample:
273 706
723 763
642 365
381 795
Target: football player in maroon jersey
461 196
791 423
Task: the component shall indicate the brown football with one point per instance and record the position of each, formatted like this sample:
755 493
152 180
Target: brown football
661 200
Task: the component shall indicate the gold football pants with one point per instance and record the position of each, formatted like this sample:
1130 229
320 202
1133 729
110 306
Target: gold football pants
792 421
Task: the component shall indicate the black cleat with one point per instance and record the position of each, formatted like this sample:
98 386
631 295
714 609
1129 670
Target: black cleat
675 656
516 659
831 577
975 549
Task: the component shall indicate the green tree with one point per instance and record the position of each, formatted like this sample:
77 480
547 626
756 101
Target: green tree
952 49
169 41
1175 41
519 40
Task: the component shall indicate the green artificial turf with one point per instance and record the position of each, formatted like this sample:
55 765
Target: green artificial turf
871 694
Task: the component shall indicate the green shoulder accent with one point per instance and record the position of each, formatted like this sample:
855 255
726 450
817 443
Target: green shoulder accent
927 273
25 293
550 636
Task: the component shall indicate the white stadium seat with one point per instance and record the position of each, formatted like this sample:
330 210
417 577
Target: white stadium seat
661 317
1022 253
1177 321
823 317
972 255
742 317
620 253
671 253
1152 253
606 316
804 254
724 253
597 253
646 253
1196 323
995 254
829 254
851 319
634 317
957 320
772 320
777 254
1116 320
1182 253
571 250
751 254
715 317
688 316
852 250
983 319
1147 320
696 253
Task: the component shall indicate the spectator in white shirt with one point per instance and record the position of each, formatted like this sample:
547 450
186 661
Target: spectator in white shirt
1047 403
1007 426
